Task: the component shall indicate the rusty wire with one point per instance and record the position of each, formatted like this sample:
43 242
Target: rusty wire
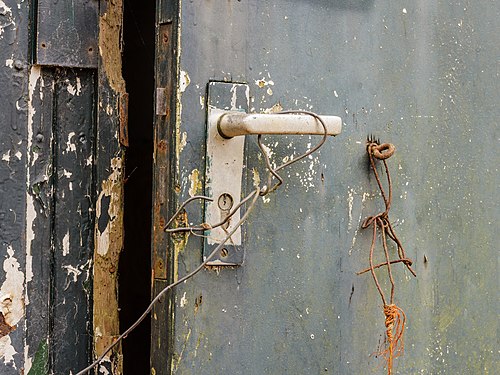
253 196
395 318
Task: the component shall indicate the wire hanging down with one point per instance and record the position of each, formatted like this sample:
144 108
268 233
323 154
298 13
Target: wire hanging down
395 317
250 200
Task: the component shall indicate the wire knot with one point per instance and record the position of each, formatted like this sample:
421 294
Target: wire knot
381 152
395 320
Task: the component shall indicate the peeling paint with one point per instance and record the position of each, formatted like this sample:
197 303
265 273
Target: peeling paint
34 77
73 273
196 184
74 90
111 191
70 146
6 156
183 300
255 177
12 289
263 82
67 174
183 142
65 243
180 244
184 81
8 19
7 351
11 303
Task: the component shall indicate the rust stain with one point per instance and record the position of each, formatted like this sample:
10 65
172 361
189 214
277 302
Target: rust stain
180 241
123 110
5 328
197 303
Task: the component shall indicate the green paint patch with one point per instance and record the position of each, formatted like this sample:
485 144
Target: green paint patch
41 361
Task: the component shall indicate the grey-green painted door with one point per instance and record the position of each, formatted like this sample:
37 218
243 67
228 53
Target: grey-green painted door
420 74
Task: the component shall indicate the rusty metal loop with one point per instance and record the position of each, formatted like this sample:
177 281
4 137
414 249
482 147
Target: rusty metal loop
381 225
383 151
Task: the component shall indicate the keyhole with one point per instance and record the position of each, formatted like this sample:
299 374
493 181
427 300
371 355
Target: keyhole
225 202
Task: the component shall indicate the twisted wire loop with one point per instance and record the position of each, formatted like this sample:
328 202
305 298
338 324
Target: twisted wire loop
250 200
395 318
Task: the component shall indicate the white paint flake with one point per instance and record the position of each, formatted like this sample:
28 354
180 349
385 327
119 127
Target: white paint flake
7 350
65 243
6 13
184 81
233 97
70 146
72 272
74 90
184 300
183 142
9 63
18 155
263 82
11 301
350 200
6 156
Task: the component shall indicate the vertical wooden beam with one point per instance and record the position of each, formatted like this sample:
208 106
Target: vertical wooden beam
73 220
109 180
164 196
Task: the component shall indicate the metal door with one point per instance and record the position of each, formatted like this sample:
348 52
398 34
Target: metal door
422 75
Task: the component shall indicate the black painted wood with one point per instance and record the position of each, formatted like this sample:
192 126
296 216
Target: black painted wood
74 125
67 33
47 131
14 72
40 207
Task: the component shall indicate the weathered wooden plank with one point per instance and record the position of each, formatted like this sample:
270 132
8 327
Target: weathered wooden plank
40 217
164 177
109 174
71 308
13 175
67 33
160 331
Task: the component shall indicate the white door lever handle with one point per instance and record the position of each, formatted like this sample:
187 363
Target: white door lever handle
231 124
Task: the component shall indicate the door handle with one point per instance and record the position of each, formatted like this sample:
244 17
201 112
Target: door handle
227 120
232 124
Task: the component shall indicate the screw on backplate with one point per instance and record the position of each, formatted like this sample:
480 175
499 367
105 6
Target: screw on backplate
224 252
